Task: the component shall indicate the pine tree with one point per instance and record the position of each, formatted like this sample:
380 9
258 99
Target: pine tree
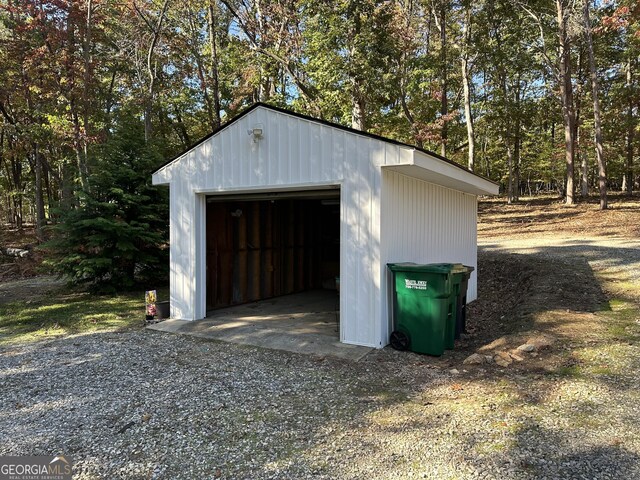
116 238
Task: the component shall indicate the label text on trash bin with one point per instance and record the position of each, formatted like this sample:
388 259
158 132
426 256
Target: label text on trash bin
415 284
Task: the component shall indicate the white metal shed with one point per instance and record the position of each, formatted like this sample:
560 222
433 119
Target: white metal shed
397 203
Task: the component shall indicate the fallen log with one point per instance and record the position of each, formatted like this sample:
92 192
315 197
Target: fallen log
14 252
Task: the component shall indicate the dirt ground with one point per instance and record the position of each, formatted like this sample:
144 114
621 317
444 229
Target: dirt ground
13 268
546 215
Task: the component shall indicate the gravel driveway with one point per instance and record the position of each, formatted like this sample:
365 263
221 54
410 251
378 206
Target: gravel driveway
154 405
620 255
143 404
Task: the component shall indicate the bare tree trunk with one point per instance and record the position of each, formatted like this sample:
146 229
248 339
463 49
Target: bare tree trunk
417 135
466 80
194 31
485 157
627 183
468 116
19 213
81 159
215 80
510 196
156 30
40 215
444 107
516 166
66 193
602 169
410 119
581 158
148 107
508 138
79 138
16 175
108 104
566 93
181 128
584 166
86 55
358 108
516 145
47 188
6 195
358 102
205 91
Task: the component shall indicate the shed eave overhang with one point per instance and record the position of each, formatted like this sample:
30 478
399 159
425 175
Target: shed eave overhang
433 170
156 180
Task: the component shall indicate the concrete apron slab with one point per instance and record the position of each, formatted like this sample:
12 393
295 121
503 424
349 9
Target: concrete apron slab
302 323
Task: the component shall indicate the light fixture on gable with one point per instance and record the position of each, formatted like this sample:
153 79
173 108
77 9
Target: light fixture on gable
256 132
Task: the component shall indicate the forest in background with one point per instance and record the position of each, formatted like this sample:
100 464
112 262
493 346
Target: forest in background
538 95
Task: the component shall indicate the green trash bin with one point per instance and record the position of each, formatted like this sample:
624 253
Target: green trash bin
461 275
459 280
422 306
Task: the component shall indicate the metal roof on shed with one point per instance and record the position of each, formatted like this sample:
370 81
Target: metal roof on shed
416 168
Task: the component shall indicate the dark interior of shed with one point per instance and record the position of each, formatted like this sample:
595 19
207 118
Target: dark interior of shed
267 245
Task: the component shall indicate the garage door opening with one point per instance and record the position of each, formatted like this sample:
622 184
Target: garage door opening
261 246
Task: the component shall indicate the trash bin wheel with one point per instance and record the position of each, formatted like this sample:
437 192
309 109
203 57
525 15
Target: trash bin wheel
399 340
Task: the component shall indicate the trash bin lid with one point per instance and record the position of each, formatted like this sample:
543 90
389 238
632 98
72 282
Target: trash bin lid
443 268
457 267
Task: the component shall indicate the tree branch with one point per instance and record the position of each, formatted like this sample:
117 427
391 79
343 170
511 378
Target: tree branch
538 22
6 115
307 90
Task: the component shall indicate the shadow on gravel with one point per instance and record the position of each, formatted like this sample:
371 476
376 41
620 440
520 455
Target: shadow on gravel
555 291
518 285
533 217
558 294
538 452
606 256
149 405
514 289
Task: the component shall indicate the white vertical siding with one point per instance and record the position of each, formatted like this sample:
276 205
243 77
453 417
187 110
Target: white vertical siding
384 218
425 223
